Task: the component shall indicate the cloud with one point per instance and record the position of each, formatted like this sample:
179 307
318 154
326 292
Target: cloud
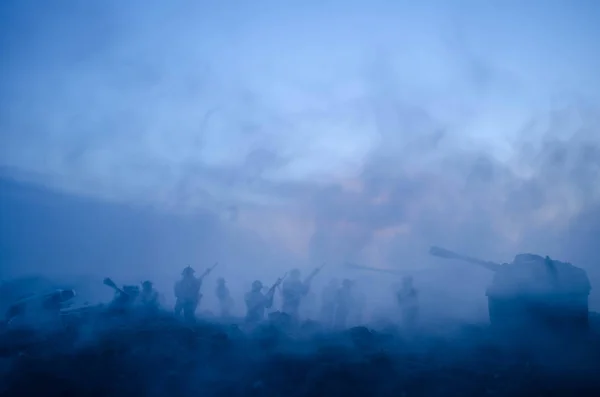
362 135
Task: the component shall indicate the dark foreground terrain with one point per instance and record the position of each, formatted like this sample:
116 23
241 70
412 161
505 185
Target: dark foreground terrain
161 356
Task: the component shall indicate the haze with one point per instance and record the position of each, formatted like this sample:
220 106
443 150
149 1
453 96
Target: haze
137 137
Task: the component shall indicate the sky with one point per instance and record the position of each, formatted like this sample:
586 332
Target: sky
333 131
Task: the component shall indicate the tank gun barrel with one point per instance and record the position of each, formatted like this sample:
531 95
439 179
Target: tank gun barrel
447 254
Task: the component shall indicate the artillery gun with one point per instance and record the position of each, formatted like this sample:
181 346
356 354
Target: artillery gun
20 288
533 291
37 307
385 270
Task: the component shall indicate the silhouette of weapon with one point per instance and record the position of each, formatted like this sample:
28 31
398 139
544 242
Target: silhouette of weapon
210 269
313 274
108 282
397 272
447 254
277 284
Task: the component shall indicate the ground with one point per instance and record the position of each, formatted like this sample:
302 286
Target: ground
162 356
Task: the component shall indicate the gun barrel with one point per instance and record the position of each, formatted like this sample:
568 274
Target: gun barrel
210 269
447 254
313 274
277 283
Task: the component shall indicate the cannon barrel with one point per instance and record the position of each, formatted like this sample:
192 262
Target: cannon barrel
397 272
447 254
374 269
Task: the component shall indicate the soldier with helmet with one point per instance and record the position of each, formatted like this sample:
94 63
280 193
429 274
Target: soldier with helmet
328 302
187 292
149 297
293 291
224 297
407 298
257 302
344 304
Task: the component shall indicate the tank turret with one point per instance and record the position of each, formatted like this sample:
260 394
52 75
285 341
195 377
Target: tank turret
533 290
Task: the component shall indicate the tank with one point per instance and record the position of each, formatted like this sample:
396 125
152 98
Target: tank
533 291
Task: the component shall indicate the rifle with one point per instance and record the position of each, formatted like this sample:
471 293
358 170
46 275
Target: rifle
277 284
313 274
271 292
207 271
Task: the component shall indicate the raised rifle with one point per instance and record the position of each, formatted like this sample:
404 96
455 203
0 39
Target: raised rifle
271 290
210 269
312 275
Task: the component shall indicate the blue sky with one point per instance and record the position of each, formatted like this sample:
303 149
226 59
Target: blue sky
303 116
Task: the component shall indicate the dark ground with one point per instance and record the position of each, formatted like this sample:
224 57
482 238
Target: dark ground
160 356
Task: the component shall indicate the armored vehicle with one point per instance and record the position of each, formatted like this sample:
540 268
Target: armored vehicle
533 291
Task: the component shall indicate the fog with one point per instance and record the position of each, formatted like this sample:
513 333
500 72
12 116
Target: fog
139 137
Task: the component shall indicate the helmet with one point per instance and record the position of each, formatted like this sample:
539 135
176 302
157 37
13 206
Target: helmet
188 271
220 280
147 284
295 273
257 285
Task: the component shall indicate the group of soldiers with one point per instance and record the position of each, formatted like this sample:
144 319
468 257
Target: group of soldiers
340 302
257 300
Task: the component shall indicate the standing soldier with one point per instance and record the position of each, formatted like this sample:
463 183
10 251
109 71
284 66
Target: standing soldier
328 301
257 302
224 297
360 302
149 297
407 297
294 290
344 303
292 293
187 292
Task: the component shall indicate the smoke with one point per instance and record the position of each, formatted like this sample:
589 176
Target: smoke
266 137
